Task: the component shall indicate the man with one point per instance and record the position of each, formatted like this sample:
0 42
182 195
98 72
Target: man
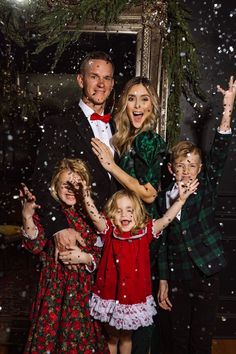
69 135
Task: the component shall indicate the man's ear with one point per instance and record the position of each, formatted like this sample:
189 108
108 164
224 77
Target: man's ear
80 80
170 168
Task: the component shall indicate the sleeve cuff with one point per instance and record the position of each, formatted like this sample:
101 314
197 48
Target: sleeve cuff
24 233
224 132
91 268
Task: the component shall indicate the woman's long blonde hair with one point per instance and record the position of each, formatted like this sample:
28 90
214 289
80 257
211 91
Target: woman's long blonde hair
125 132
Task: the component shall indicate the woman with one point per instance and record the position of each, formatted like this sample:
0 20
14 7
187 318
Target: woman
140 148
141 151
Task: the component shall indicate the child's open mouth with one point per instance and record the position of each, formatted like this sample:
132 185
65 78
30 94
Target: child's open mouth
125 222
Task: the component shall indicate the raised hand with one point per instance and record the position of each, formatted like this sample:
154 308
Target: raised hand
228 103
186 189
229 94
28 201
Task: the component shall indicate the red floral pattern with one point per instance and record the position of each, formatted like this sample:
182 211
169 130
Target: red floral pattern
60 318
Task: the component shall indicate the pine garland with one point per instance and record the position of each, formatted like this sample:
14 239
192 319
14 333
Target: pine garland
180 59
46 23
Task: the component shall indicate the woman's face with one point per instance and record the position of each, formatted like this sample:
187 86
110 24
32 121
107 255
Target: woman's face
67 185
139 105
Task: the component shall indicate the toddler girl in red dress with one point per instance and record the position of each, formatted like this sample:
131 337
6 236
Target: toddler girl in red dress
122 296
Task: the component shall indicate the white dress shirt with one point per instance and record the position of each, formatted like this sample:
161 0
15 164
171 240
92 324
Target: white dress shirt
171 197
101 130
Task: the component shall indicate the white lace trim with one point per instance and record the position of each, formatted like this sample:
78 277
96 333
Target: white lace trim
121 316
103 232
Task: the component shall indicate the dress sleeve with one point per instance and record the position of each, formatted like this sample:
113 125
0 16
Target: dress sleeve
37 244
216 158
149 152
107 229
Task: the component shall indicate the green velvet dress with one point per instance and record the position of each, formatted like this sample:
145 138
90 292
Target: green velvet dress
144 162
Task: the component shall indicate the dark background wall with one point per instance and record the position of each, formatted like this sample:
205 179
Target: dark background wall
213 25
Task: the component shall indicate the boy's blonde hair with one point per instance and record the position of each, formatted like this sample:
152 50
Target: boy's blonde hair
74 165
182 149
140 214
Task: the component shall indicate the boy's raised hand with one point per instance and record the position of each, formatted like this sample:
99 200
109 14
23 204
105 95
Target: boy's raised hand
229 94
186 189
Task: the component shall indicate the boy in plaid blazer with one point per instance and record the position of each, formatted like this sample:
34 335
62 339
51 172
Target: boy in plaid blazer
191 254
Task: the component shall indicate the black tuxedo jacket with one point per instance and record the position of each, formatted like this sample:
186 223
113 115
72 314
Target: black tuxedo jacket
67 135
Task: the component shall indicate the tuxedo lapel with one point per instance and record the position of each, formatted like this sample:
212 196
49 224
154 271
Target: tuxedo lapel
82 125
85 134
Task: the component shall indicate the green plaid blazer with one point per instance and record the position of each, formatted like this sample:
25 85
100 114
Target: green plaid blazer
194 241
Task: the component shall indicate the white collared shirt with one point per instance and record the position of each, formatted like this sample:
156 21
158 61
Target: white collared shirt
101 130
171 197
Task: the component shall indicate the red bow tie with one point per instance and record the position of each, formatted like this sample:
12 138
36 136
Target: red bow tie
106 118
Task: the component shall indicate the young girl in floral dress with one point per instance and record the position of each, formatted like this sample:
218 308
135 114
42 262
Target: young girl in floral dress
122 296
61 321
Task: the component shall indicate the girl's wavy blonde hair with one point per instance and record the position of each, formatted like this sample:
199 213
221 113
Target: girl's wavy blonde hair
125 132
73 165
141 216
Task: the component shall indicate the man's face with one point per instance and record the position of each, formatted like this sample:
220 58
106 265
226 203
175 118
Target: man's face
97 83
186 169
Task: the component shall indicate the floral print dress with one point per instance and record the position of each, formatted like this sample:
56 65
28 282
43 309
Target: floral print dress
60 318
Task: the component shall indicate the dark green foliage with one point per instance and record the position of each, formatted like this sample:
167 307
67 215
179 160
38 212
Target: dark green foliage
38 26
180 59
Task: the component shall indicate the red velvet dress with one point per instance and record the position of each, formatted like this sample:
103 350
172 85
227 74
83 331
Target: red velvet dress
60 319
122 293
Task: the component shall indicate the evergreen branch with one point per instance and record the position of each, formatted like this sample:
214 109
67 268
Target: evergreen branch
180 59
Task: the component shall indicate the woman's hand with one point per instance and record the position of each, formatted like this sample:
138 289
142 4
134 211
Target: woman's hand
103 153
